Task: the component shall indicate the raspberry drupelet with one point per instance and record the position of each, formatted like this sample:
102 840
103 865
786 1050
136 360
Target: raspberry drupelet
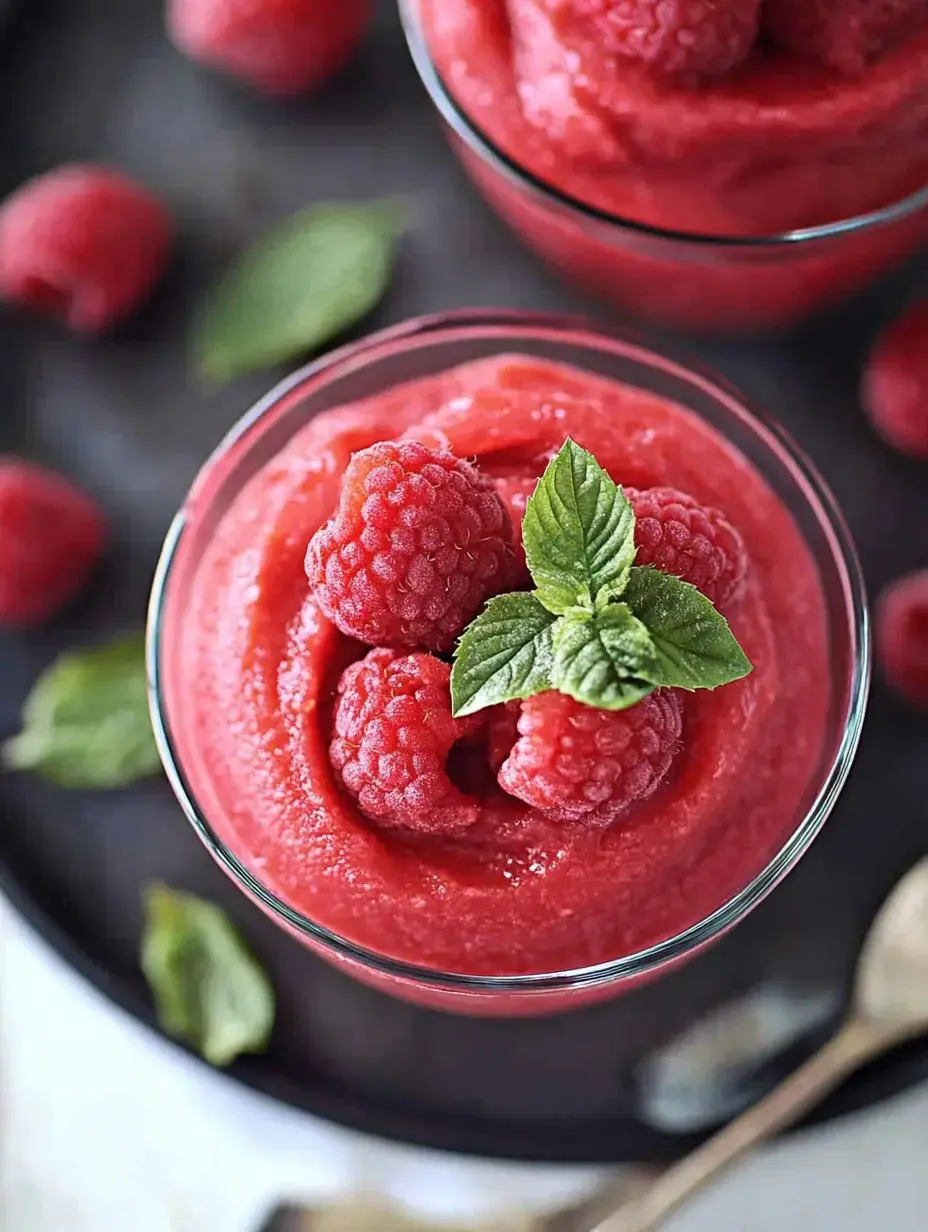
393 733
577 763
419 541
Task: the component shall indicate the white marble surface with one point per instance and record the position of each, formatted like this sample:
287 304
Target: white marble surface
108 1129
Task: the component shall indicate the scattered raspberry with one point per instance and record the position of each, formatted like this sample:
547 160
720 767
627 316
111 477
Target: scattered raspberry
393 733
83 243
701 38
902 636
895 384
845 34
675 533
51 536
419 541
576 762
278 46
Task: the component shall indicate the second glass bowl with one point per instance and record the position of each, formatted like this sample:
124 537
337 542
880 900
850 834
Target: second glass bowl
704 284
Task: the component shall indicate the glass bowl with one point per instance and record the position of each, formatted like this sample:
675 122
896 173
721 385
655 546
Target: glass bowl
703 284
421 348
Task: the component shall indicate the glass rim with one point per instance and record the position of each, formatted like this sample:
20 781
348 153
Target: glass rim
539 326
481 144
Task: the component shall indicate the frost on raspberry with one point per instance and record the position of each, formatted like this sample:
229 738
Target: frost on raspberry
83 243
419 541
579 763
687 37
845 34
895 383
393 733
678 535
902 636
51 537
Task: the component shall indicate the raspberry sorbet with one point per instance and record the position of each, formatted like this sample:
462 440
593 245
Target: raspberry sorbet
735 119
513 890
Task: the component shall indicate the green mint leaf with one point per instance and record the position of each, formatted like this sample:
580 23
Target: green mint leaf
579 533
604 659
302 284
208 988
504 654
86 722
695 647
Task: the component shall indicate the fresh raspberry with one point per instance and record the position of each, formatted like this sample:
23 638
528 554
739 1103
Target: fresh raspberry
845 34
514 493
702 38
393 733
902 636
279 47
419 540
895 384
694 542
51 536
501 732
575 762
83 243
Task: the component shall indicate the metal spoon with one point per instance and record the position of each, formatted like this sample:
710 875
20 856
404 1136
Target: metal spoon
889 1005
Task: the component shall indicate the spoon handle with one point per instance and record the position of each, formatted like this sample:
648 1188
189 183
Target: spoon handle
855 1042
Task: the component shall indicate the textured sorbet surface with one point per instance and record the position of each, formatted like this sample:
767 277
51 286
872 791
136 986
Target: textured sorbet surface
518 893
781 141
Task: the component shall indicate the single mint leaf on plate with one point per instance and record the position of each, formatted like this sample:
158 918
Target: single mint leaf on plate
504 654
604 659
306 281
86 722
694 645
578 532
208 988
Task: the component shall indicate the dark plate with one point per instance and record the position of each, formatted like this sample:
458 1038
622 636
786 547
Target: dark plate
96 79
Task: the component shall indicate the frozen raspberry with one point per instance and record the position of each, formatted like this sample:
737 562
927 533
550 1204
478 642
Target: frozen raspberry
51 536
676 534
575 762
514 493
844 34
83 243
393 733
277 46
701 38
902 636
419 541
895 384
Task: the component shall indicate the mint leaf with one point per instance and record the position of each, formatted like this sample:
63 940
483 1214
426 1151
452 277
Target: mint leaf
604 659
504 654
86 723
695 647
208 988
312 277
579 533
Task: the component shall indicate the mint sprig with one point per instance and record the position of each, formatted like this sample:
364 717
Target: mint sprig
578 533
597 627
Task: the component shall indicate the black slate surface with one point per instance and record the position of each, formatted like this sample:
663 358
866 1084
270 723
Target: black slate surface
96 79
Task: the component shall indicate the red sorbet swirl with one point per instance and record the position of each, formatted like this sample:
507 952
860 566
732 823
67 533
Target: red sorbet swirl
517 892
780 142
